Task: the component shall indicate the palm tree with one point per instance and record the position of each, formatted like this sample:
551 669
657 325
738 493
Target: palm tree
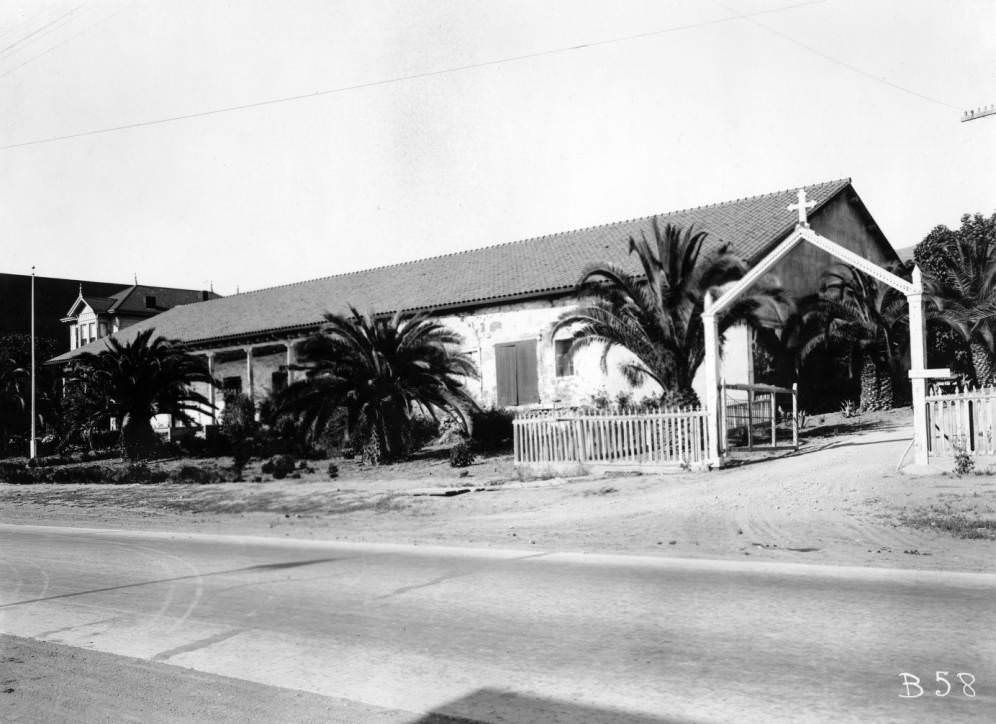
658 316
378 370
130 383
867 319
963 290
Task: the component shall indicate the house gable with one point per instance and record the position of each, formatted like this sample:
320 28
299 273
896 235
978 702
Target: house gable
844 218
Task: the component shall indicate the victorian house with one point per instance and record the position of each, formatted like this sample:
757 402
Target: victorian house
92 317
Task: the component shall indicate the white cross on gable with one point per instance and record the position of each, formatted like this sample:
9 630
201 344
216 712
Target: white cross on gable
801 206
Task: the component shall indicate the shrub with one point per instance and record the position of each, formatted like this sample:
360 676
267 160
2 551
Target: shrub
964 463
492 428
333 470
238 419
461 455
281 466
848 408
195 474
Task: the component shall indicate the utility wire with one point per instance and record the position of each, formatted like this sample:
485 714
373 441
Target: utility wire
58 45
27 38
400 79
751 18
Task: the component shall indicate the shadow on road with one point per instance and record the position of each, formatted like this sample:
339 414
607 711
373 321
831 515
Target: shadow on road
489 705
247 569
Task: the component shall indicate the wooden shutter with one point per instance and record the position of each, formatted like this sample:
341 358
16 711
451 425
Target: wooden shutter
526 372
505 364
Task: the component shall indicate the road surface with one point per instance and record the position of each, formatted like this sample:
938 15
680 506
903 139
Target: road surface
406 633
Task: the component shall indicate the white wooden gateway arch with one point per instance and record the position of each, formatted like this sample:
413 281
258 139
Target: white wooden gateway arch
804 234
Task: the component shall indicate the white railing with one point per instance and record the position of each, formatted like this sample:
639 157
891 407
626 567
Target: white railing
612 439
962 420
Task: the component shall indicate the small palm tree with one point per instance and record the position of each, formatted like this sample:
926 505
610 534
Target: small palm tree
963 290
657 316
131 383
379 370
867 320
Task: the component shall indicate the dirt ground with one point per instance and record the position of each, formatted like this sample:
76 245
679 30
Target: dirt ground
838 500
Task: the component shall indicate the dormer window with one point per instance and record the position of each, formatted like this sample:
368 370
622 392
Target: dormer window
150 301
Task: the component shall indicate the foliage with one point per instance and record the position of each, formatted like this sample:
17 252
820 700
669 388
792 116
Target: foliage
238 418
379 370
132 382
600 399
461 455
866 320
492 429
964 462
279 466
961 283
15 387
849 408
195 474
657 316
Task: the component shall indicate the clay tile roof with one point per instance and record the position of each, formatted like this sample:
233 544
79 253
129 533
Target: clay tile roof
545 264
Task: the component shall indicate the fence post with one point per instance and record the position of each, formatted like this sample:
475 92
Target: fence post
795 415
579 438
774 420
750 419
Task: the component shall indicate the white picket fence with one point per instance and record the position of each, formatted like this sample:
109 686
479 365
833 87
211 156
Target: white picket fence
610 439
962 420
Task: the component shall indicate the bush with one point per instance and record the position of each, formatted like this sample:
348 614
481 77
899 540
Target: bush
280 466
333 471
461 455
195 474
492 428
964 462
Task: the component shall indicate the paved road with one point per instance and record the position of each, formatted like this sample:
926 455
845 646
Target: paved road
500 636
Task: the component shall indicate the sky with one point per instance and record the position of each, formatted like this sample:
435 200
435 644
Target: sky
367 132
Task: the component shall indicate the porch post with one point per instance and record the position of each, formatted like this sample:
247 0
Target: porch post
249 381
918 359
291 360
710 335
211 391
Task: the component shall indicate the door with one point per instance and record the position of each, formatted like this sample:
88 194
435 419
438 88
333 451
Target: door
517 382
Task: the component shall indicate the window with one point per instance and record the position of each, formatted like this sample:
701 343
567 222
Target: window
92 335
516 370
564 362
232 385
101 329
150 301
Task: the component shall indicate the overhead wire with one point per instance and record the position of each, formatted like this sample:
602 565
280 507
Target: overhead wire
83 31
43 30
400 79
751 18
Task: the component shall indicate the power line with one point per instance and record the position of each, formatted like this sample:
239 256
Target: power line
27 38
751 18
400 79
58 45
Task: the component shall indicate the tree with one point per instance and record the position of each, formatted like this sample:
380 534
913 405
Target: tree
379 369
131 383
15 385
865 320
960 279
657 316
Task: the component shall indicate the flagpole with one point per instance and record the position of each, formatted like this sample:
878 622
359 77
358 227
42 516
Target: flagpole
33 447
